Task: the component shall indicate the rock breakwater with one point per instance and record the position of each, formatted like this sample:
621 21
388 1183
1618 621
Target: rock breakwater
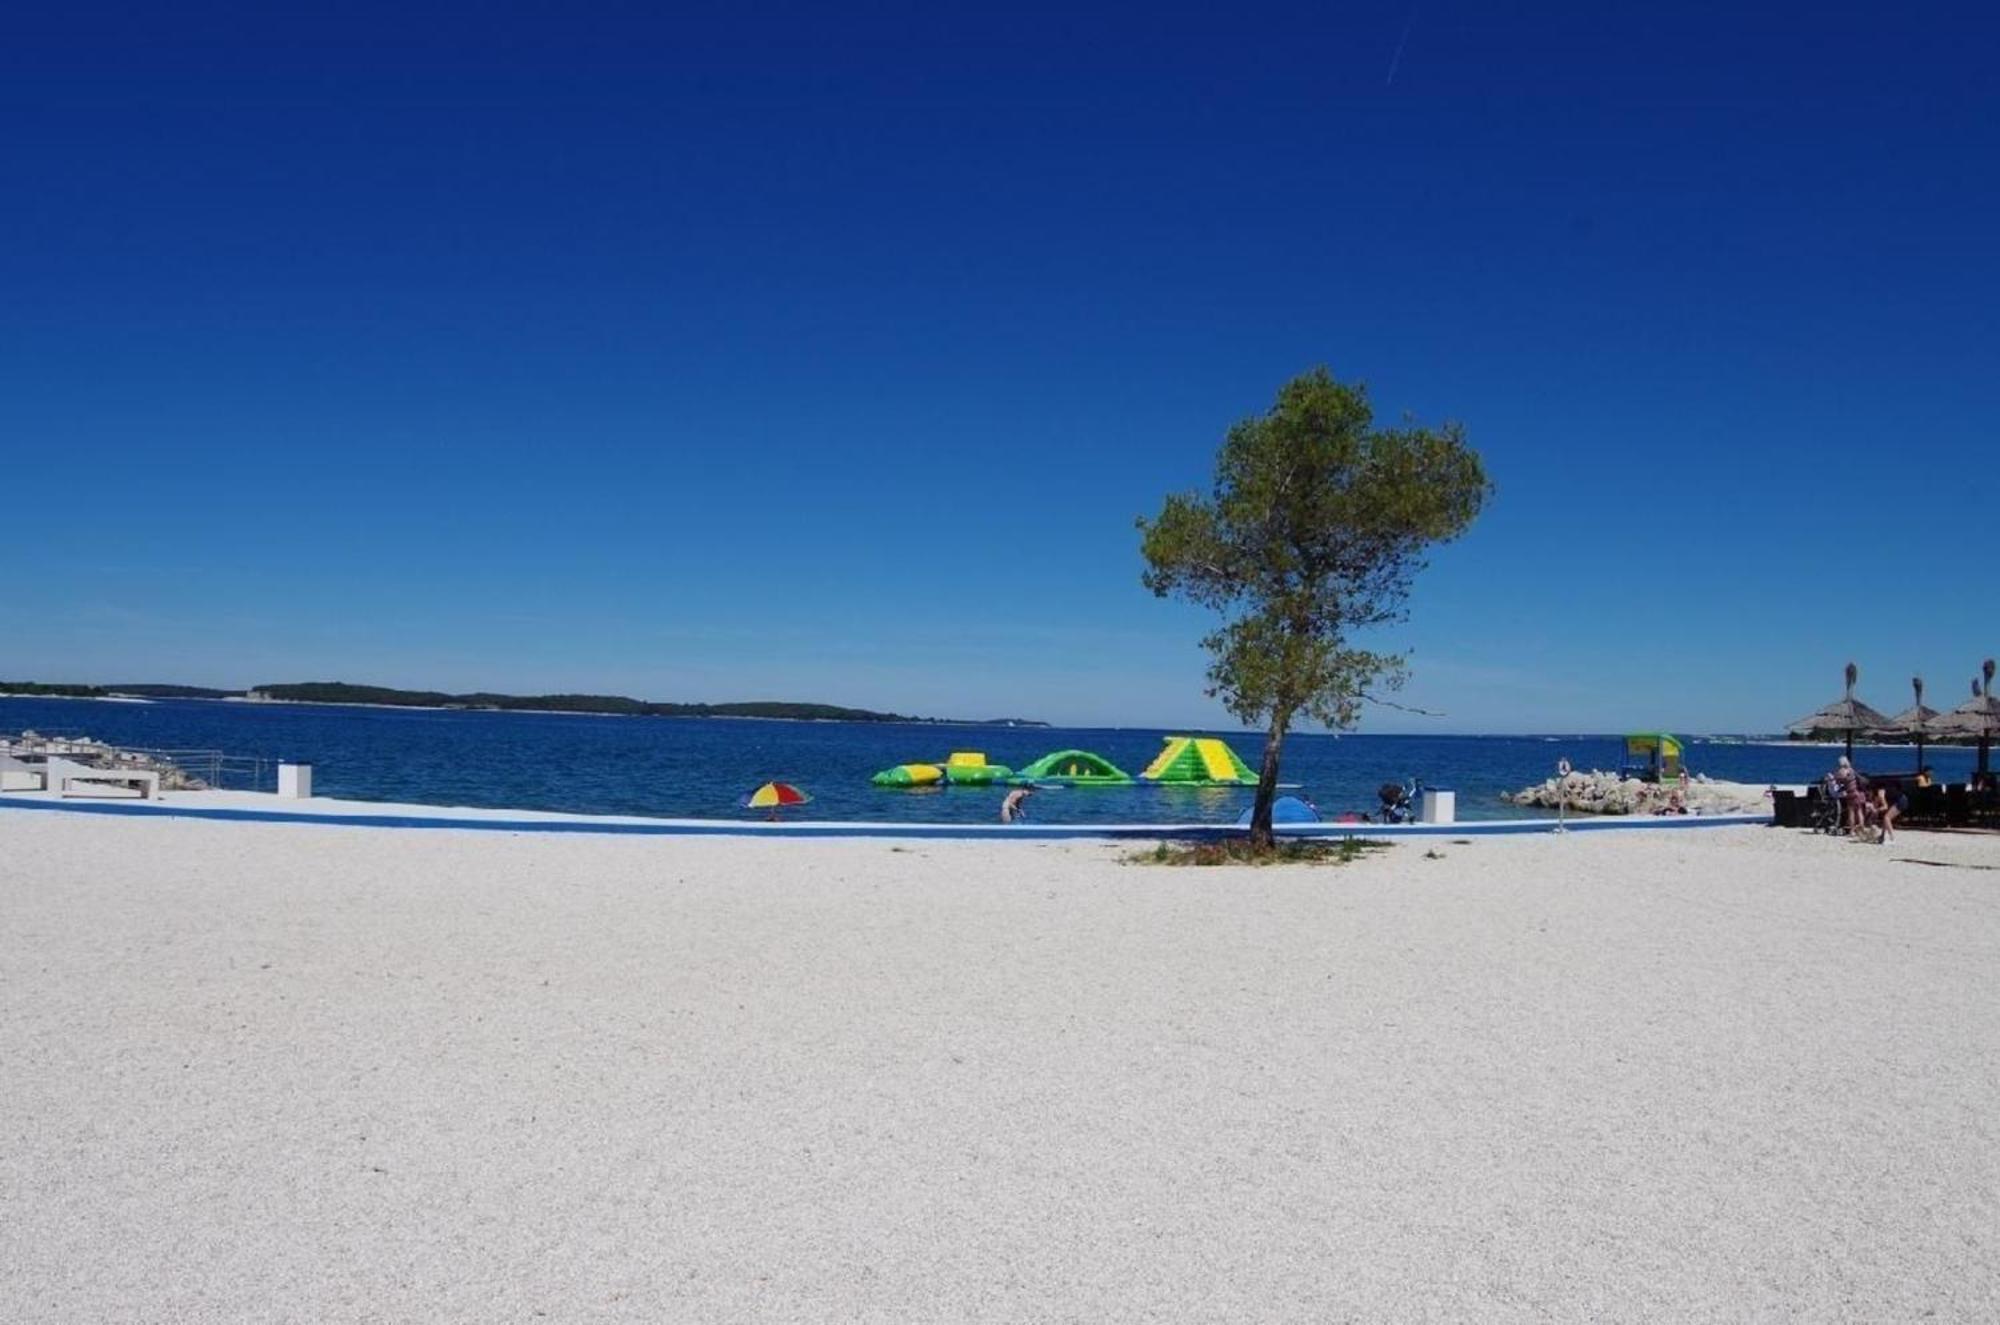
1598 792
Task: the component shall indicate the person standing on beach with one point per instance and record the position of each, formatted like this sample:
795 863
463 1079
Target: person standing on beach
1014 809
1847 784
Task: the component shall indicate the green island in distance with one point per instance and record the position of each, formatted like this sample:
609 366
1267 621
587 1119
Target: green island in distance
340 692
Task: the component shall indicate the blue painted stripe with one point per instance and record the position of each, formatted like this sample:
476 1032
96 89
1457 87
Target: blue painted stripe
960 832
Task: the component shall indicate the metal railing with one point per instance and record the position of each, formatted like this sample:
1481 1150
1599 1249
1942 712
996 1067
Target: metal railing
208 768
217 769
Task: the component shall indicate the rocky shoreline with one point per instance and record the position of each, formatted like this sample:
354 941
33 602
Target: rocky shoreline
1599 792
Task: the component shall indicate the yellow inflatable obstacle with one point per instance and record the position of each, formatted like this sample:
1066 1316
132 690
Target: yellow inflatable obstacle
968 768
965 768
1198 761
909 775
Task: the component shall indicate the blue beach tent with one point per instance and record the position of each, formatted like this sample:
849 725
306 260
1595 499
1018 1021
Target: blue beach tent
1285 810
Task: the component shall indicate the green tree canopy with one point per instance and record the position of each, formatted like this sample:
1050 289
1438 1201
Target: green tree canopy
1316 527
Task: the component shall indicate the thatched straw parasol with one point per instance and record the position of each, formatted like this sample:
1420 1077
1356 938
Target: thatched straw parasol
1978 716
1844 717
1918 720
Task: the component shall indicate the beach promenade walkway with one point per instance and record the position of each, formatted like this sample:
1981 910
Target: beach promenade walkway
252 806
275 1071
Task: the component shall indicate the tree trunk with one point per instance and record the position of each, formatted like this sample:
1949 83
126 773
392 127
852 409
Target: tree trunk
1261 837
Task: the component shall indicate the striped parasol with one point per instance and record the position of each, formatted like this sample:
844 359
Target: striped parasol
774 796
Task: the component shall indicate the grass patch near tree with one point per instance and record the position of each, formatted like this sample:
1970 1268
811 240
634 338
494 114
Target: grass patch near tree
1239 851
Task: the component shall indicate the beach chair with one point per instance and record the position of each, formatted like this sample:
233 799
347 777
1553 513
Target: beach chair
1927 808
1788 809
19 775
1984 808
66 776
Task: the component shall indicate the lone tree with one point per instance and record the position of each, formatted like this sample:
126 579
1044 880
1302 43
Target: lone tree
1316 527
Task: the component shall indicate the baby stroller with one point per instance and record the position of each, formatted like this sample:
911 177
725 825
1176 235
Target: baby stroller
1399 800
1825 810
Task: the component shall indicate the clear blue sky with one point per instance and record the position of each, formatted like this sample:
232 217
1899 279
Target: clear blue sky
830 353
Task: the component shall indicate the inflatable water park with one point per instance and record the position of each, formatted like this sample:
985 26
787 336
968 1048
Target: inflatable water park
965 768
1198 761
1185 761
1071 768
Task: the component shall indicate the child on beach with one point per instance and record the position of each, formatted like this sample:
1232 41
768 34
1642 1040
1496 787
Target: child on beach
1884 811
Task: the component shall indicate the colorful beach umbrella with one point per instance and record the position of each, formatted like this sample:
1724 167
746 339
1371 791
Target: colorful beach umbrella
774 796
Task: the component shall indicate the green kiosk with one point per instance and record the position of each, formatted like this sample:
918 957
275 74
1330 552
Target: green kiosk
1652 757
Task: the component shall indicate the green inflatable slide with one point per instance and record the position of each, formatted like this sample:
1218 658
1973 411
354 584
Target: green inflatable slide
1198 761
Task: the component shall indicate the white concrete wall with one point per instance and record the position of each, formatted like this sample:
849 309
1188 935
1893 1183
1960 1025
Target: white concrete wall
1439 807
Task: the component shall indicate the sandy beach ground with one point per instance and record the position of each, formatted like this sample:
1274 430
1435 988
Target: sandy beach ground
307 1073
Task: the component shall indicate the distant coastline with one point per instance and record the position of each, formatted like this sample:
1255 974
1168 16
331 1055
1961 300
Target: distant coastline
615 706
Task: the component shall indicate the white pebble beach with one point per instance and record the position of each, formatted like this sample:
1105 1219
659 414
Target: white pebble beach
267 1072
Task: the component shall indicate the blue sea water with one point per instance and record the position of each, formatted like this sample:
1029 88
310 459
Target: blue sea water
700 767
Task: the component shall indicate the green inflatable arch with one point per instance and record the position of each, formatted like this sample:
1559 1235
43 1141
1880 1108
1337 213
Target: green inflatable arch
1075 768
